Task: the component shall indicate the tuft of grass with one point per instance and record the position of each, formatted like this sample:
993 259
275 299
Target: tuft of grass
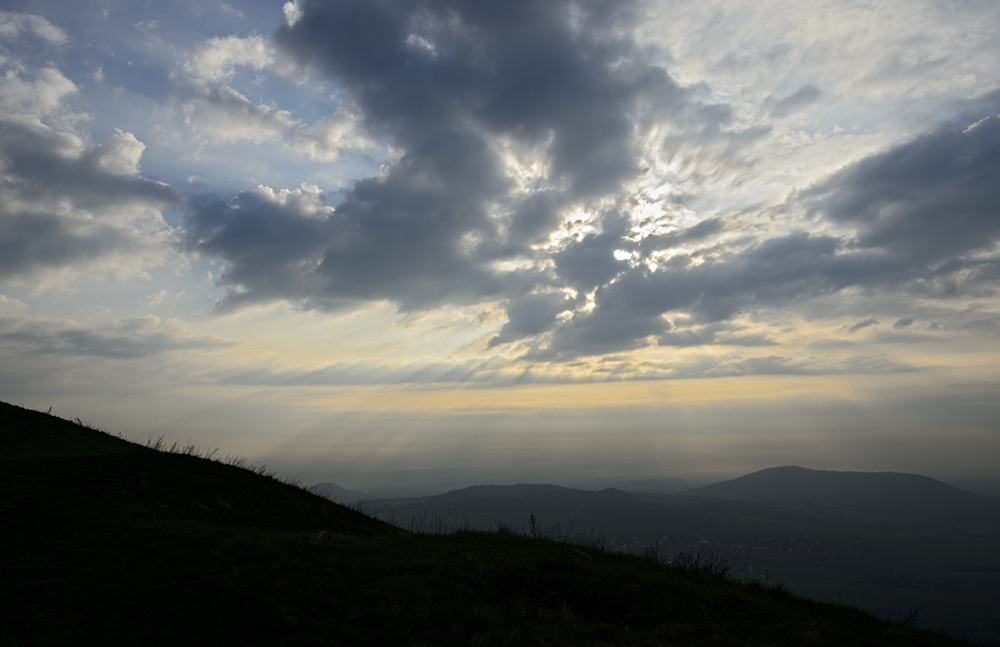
705 562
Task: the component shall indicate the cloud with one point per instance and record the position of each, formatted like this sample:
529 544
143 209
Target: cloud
222 114
531 315
794 102
859 51
25 91
332 136
219 58
911 217
706 367
42 95
14 25
123 339
10 306
925 201
520 141
68 207
589 262
399 238
630 312
219 113
722 334
293 13
550 81
866 323
703 230
271 241
158 298
458 102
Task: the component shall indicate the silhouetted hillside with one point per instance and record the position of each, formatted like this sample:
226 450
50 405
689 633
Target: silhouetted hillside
103 541
337 493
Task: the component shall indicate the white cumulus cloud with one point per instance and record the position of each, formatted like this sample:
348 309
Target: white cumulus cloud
219 58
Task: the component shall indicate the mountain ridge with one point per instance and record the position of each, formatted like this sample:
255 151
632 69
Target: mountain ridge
897 492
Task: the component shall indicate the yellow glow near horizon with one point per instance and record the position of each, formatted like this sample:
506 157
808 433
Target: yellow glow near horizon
540 397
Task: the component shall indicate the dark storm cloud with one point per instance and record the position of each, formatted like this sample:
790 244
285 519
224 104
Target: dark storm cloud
526 68
590 262
926 201
41 163
531 315
34 241
630 312
265 242
635 309
532 218
420 235
409 237
441 81
57 198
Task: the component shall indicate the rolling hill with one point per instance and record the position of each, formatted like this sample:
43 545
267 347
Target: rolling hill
876 492
103 541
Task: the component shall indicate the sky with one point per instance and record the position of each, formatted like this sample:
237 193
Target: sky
420 244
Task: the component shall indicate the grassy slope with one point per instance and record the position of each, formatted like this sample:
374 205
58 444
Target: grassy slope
911 543
110 542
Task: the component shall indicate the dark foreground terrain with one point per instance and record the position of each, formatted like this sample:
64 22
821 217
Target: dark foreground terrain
103 541
898 545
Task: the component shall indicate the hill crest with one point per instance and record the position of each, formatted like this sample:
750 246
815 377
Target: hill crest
892 492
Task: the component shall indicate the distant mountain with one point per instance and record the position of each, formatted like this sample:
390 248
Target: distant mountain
879 492
484 506
544 498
